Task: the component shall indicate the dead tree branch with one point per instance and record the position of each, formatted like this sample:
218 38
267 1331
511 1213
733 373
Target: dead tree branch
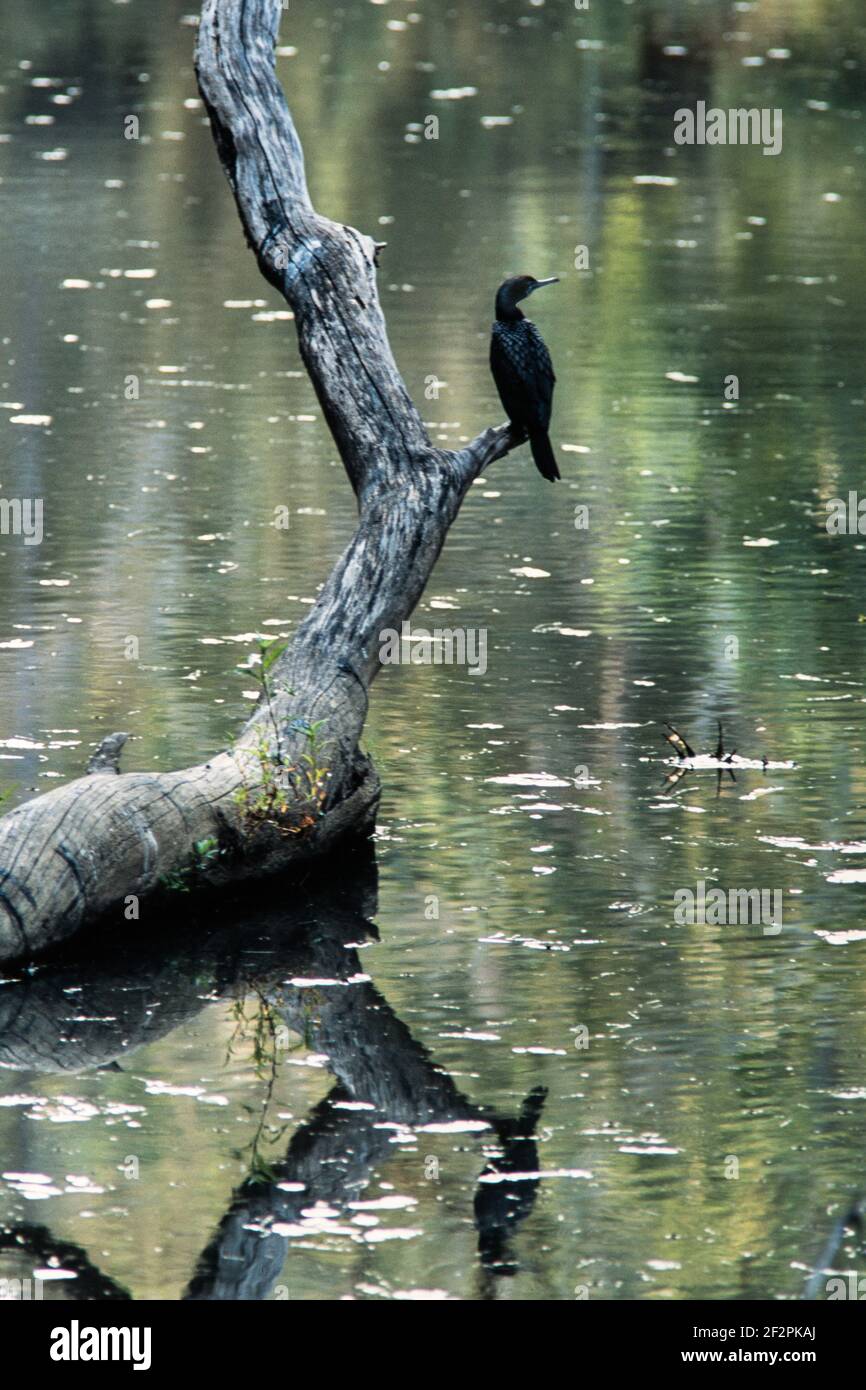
81 851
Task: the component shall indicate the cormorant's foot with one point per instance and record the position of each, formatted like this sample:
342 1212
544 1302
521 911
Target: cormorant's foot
517 435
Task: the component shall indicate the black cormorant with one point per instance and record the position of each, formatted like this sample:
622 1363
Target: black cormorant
523 371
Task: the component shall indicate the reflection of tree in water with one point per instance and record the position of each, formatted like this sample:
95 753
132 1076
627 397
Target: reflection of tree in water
260 1034
384 1078
41 1248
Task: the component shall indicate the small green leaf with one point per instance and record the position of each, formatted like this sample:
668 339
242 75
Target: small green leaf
271 649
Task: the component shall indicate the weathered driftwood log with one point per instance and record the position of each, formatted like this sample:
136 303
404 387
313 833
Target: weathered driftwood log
82 851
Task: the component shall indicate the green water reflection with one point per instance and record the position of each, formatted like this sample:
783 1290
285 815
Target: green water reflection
512 913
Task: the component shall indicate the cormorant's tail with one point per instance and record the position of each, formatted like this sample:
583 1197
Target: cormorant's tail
545 460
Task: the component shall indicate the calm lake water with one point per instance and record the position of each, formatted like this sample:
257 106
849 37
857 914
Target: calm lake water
285 1105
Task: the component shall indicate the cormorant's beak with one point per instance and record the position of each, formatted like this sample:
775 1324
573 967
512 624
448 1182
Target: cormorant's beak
554 280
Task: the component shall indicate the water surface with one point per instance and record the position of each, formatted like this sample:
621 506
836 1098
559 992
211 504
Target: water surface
529 852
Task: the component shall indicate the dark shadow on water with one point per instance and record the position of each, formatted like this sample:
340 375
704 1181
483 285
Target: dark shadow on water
301 960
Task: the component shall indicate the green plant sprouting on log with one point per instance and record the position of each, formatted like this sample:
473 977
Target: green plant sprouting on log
204 854
288 796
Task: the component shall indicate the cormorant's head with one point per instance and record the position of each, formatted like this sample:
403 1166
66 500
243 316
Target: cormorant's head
518 287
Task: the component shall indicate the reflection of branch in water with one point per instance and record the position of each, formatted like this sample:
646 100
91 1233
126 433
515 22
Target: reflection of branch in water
500 1205
328 1161
90 1284
331 1157
262 1031
136 993
686 756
